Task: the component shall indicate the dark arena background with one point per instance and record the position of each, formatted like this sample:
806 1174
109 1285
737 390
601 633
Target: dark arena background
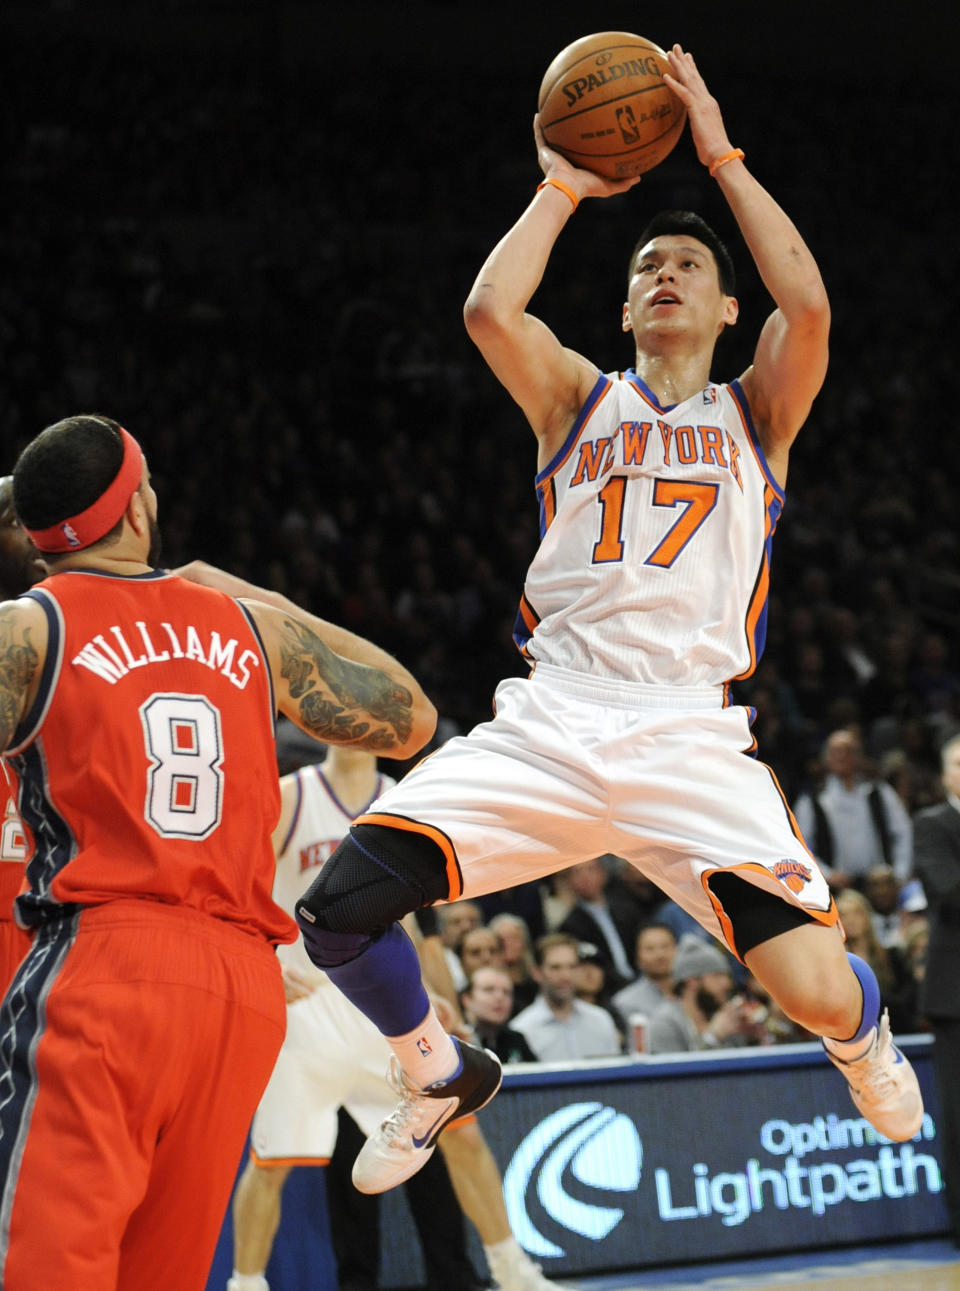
246 228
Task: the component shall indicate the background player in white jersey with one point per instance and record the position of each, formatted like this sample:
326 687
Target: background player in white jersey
659 492
332 1057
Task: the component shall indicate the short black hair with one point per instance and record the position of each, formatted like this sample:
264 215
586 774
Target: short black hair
65 469
689 224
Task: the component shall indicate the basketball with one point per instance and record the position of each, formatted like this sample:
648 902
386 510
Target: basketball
605 106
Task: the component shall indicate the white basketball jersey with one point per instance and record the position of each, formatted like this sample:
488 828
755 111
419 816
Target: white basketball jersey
656 525
319 822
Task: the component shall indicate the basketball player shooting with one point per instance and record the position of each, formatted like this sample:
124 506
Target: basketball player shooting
659 492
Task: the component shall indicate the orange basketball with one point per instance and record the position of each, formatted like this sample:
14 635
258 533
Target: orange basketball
605 106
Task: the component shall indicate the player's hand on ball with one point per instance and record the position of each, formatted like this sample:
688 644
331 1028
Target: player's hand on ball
703 111
583 182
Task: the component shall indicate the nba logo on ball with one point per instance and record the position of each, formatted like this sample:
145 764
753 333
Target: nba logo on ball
605 106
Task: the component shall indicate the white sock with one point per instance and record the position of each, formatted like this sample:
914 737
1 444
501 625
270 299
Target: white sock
427 1054
248 1282
850 1050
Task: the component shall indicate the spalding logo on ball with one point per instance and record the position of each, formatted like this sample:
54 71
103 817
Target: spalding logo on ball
605 106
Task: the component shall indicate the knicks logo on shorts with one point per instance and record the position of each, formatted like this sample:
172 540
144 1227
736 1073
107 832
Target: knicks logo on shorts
793 873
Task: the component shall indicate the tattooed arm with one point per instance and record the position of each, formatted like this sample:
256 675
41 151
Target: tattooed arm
340 688
336 686
23 646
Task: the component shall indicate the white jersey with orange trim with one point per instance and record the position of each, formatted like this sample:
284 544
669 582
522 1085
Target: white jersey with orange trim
319 822
656 525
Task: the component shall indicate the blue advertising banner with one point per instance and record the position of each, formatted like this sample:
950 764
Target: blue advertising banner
656 1161
671 1160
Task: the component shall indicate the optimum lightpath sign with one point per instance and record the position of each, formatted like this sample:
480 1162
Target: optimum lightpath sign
627 1166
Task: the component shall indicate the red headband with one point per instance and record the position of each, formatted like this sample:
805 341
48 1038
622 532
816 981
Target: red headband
90 526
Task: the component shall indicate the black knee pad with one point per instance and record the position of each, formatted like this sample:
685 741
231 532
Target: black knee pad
375 877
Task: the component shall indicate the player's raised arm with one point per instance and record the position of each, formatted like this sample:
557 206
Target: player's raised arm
790 362
336 686
547 380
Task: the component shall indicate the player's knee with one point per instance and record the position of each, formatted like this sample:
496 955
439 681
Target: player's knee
375 877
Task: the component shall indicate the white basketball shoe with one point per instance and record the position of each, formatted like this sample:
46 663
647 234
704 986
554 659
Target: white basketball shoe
513 1270
406 1139
884 1086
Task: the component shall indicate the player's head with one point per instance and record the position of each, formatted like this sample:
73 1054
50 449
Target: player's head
690 225
73 482
680 286
20 564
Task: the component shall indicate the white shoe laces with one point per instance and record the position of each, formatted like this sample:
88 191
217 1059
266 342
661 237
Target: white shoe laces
398 1123
873 1071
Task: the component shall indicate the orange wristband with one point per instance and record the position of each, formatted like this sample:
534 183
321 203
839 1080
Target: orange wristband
735 154
564 188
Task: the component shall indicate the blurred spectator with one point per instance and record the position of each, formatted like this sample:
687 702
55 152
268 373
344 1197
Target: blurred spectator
558 1026
655 951
630 891
912 904
608 925
898 988
559 899
704 1014
525 901
916 945
937 854
478 948
592 986
487 1005
453 921
517 957
882 890
854 823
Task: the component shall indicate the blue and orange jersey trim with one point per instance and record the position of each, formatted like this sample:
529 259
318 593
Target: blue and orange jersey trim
645 393
601 387
377 790
740 399
524 625
755 623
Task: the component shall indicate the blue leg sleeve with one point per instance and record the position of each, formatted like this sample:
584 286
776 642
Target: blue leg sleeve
871 996
384 983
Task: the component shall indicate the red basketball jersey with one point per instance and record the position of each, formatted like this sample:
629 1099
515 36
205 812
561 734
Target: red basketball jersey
147 761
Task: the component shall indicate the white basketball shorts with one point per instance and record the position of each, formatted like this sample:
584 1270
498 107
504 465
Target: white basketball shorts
573 767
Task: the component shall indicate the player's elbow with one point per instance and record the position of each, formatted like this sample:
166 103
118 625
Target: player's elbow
422 726
810 312
485 314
